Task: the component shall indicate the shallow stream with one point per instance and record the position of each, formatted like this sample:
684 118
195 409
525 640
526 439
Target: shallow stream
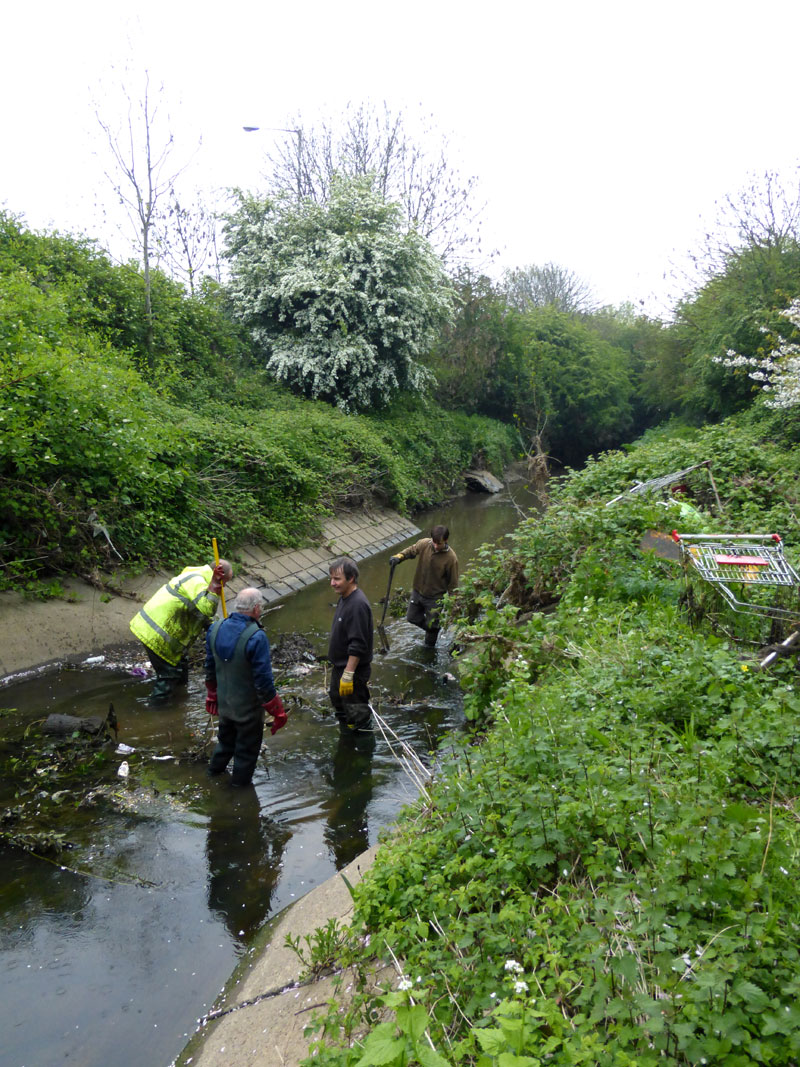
111 950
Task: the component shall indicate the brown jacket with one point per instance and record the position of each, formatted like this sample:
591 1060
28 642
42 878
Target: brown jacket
437 572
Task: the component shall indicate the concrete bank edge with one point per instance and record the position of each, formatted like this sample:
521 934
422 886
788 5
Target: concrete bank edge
265 1008
41 634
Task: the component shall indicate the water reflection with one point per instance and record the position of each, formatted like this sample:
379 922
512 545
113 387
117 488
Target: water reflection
244 850
346 831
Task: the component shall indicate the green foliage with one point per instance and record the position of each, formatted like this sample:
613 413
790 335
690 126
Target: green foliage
558 378
465 357
405 1040
656 357
603 875
321 951
95 297
729 313
100 458
342 300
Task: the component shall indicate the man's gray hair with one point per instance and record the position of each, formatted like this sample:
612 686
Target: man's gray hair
248 599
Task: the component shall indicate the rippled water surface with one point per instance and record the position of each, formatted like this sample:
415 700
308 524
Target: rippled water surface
111 953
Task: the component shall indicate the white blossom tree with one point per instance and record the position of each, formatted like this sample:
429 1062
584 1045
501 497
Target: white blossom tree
779 371
343 300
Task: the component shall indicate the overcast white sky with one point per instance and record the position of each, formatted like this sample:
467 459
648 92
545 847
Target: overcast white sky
602 133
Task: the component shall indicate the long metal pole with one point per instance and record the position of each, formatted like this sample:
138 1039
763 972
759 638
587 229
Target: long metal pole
222 589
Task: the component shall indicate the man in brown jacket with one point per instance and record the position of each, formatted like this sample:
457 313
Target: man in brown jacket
436 574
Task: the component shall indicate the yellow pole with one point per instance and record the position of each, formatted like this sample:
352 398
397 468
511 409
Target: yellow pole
222 590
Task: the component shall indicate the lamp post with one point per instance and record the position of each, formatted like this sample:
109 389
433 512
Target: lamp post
299 134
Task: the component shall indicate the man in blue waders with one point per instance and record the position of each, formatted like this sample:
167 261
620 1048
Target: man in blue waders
240 687
173 618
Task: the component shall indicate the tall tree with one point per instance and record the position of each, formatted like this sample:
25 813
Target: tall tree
550 285
414 171
466 354
561 384
763 215
187 241
341 298
141 147
736 310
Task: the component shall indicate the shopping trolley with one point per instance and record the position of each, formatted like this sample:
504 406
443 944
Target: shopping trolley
736 563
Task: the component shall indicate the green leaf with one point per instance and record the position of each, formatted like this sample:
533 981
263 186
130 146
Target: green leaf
491 1040
429 1057
754 997
381 1047
412 1021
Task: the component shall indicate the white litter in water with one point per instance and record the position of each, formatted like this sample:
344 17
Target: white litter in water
123 750
94 659
163 757
123 770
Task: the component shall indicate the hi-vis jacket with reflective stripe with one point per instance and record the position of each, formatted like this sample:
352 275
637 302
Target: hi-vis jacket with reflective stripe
174 616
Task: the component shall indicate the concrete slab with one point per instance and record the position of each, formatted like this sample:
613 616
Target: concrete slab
260 1016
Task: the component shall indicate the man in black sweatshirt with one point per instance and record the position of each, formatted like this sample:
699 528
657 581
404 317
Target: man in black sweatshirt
350 648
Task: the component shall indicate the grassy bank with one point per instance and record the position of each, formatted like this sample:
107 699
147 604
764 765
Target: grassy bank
603 871
128 439
99 467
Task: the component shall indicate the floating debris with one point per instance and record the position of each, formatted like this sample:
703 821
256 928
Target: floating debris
293 650
123 770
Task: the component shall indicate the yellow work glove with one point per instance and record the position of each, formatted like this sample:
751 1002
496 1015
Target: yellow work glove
346 684
395 560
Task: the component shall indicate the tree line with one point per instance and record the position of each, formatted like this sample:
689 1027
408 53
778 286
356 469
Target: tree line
344 307
353 273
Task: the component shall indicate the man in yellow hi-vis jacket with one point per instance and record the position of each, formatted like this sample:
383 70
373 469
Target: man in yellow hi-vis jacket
173 617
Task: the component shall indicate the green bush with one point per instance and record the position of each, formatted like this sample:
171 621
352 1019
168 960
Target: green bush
602 871
110 450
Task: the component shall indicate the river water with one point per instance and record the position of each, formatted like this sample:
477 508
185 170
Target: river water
110 953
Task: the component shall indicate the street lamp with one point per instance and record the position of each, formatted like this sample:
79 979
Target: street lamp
283 129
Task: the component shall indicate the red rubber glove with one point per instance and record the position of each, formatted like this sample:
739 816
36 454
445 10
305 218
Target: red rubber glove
211 699
216 583
276 709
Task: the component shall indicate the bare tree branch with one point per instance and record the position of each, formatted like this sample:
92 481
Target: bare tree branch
140 178
368 140
547 286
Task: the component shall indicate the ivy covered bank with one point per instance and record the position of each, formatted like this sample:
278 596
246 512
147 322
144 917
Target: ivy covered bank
603 870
